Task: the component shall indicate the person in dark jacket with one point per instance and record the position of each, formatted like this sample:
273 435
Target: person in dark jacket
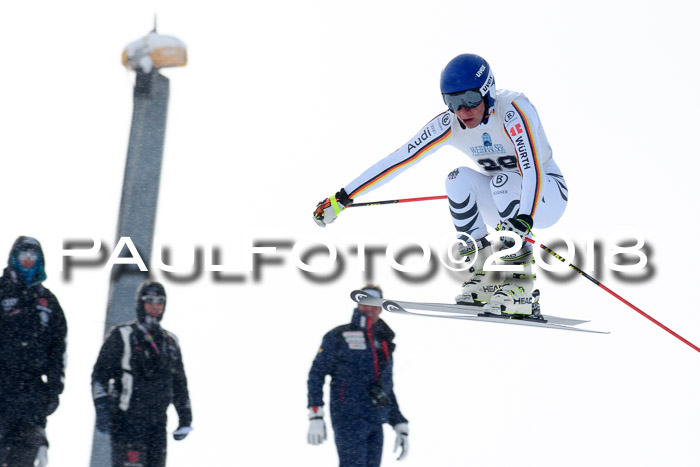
32 354
359 358
138 374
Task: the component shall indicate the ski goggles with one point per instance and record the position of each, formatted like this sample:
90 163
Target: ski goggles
468 99
27 255
159 299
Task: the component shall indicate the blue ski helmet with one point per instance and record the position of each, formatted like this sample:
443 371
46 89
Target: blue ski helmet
464 73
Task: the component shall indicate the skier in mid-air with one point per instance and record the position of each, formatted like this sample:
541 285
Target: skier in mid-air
518 185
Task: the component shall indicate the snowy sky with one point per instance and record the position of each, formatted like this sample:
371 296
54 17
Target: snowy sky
283 103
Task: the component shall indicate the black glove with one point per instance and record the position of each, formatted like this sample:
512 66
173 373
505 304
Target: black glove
102 410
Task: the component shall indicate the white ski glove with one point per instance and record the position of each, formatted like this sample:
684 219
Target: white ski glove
401 430
317 427
42 457
328 209
181 433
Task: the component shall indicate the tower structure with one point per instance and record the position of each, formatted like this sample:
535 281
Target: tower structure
137 210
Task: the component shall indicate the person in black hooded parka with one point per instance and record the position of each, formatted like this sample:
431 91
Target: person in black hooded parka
32 354
138 374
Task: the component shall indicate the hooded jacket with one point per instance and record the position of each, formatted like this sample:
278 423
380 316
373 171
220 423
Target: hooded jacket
359 358
32 337
140 369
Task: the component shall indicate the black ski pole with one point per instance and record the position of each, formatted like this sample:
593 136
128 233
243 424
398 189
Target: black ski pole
395 201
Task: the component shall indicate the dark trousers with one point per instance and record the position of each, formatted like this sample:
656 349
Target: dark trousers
359 443
19 442
148 451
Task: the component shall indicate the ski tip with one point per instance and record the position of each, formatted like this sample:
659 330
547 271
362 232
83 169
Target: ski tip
363 298
567 321
393 307
358 295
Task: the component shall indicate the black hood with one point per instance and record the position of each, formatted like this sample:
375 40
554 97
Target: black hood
25 243
148 287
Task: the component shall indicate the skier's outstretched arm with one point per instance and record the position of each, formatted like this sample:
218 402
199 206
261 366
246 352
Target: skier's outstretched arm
424 143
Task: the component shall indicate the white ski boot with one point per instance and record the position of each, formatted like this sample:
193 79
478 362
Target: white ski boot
480 285
517 296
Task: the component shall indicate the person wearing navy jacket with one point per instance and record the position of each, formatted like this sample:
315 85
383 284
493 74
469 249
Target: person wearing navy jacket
33 334
359 358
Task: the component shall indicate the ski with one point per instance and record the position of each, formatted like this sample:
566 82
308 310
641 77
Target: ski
466 312
470 310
